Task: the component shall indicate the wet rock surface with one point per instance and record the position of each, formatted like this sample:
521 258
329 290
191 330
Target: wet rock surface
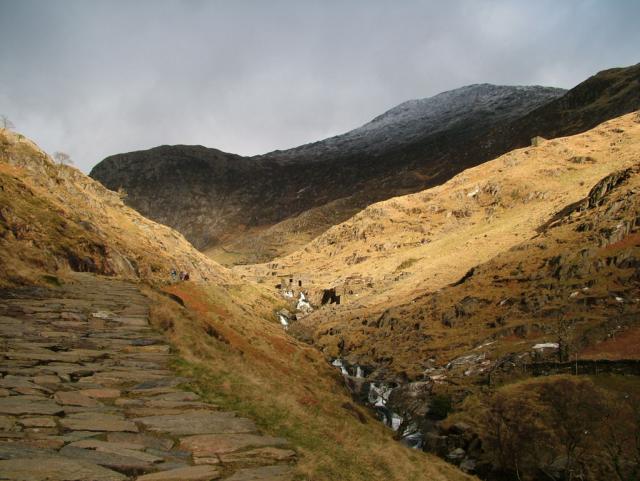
87 393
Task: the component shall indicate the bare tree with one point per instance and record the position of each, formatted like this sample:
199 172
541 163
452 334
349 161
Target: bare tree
620 438
576 411
62 158
5 123
512 427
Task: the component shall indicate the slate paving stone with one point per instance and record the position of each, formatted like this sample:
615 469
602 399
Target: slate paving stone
107 409
10 450
146 440
41 422
92 398
127 402
55 469
121 449
268 455
46 442
125 464
166 382
78 435
89 421
207 445
198 422
75 398
138 412
12 381
7 422
46 379
36 391
191 473
27 405
101 393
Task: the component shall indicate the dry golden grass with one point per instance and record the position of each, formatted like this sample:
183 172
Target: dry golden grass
245 363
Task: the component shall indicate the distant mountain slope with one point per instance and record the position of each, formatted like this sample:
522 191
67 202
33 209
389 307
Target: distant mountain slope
216 199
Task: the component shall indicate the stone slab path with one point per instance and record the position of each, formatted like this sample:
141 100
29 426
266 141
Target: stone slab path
87 394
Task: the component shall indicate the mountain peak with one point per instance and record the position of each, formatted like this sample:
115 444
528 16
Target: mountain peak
417 118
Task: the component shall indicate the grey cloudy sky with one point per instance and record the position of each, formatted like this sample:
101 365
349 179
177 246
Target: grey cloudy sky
94 78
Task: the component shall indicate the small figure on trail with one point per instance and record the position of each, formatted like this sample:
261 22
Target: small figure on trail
174 275
184 276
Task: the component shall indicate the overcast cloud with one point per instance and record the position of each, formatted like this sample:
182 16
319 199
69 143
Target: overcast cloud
95 78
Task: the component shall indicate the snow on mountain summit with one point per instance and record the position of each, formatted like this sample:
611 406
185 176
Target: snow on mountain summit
413 119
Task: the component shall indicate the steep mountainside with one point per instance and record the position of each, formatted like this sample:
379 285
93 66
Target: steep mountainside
59 219
609 94
391 264
226 202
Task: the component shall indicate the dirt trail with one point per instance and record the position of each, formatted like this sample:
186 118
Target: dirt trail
87 393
